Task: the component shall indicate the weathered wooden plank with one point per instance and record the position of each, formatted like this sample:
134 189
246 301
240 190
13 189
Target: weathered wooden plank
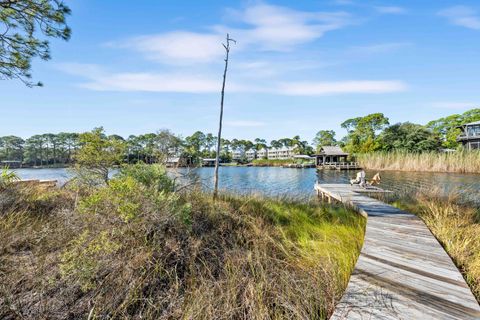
402 271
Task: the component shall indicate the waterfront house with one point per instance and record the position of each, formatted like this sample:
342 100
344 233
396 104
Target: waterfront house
281 153
251 154
470 136
262 154
238 154
330 155
208 162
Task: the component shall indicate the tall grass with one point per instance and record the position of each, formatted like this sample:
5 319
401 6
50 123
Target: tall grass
462 162
455 224
137 250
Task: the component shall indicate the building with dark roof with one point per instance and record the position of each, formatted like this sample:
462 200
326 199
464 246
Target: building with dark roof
470 136
331 155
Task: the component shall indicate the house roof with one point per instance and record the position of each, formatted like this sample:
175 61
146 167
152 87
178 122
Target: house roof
472 123
332 151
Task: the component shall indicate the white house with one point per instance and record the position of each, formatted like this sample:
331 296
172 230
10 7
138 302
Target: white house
281 153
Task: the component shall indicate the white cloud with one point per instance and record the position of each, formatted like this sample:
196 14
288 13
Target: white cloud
263 27
279 28
341 87
245 123
390 10
453 105
101 80
178 47
462 16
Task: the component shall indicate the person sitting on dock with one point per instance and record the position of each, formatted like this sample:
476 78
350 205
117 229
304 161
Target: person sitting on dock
375 180
359 179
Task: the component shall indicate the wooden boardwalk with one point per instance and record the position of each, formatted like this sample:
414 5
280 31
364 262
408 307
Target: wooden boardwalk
402 271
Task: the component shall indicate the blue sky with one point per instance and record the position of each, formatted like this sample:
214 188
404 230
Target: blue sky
298 67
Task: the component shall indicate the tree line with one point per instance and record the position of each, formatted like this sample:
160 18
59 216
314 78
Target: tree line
59 149
372 132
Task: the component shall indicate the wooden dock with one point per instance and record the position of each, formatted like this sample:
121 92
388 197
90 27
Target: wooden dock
402 271
341 166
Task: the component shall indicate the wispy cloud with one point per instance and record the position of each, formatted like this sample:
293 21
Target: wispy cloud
462 16
262 27
390 9
278 28
102 80
245 123
178 46
342 87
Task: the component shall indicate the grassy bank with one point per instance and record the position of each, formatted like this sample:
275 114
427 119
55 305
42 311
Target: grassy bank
462 162
456 226
138 249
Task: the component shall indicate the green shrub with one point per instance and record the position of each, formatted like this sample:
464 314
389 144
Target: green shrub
84 256
7 178
123 197
150 175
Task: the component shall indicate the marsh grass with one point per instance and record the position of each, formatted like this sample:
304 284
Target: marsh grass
460 161
135 251
455 224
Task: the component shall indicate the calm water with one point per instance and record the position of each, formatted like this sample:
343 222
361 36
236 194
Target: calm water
299 183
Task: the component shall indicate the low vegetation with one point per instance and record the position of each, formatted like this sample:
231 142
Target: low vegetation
136 248
462 162
455 225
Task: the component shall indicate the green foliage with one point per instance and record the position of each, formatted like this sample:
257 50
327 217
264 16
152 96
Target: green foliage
123 197
447 129
85 256
7 177
324 138
409 137
362 132
127 194
11 148
151 176
97 155
20 42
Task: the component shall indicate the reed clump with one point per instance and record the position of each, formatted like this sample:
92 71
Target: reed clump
459 161
456 225
137 249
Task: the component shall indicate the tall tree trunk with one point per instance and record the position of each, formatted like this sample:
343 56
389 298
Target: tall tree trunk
219 136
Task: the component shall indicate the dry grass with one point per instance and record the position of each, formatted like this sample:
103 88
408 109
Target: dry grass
463 162
129 252
456 226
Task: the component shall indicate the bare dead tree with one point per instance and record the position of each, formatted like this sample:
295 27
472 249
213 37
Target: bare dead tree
219 137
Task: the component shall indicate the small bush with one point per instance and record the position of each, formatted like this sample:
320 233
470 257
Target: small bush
85 257
7 178
151 176
123 196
